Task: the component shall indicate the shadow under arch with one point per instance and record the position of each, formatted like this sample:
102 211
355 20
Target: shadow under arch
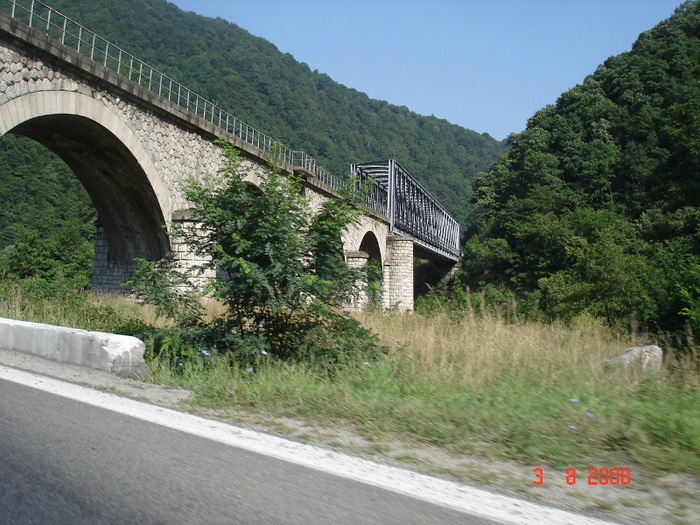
374 268
370 245
129 210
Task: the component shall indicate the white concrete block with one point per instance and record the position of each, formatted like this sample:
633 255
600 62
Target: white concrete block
118 354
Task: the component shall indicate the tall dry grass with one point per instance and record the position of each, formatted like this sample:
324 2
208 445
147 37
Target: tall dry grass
537 389
478 347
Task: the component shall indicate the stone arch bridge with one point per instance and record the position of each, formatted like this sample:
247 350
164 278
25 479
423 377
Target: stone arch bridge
131 134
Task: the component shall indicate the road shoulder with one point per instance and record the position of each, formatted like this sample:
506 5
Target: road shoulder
670 498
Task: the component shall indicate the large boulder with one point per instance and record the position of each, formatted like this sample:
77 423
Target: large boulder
646 360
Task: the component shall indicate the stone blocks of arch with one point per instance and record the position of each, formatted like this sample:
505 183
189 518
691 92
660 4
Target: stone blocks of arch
370 239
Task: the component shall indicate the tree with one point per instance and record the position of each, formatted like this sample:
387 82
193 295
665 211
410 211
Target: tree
601 191
65 255
279 268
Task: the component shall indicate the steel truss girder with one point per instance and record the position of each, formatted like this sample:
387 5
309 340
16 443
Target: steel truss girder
411 209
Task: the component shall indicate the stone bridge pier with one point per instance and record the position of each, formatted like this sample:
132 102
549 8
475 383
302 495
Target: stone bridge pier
396 269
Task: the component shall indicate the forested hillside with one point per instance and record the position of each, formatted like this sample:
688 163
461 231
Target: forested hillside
595 208
38 192
46 215
305 109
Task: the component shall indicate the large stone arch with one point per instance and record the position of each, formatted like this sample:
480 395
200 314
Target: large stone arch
110 162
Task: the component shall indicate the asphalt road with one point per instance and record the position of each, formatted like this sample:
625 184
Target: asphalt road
66 462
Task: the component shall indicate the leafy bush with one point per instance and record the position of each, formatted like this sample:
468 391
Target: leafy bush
162 285
280 273
65 255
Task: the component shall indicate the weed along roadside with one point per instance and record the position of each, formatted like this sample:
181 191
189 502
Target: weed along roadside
466 395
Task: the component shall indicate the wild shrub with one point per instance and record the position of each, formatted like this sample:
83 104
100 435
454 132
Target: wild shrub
280 271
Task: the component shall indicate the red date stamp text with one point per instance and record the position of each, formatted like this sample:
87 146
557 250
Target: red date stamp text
596 476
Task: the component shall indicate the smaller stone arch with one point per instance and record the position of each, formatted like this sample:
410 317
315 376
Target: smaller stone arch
370 253
368 235
370 245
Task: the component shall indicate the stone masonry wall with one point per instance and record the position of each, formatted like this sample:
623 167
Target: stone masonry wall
358 260
175 152
108 275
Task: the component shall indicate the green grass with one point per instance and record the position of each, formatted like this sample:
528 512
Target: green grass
653 422
64 304
449 380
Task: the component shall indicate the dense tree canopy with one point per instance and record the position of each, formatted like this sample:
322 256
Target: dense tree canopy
38 192
595 208
46 218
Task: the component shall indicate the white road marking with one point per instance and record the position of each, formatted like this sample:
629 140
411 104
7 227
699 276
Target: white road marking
477 502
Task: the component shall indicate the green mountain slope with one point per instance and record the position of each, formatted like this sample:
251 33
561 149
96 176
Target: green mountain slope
595 208
38 191
46 217
271 91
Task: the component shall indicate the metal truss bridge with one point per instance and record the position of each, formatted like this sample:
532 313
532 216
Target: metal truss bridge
411 210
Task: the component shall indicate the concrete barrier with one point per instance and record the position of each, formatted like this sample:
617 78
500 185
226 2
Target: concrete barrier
118 354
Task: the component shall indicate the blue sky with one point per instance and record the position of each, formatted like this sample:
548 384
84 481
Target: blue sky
487 65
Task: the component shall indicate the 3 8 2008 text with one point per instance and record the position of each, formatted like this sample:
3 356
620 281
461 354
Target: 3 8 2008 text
596 476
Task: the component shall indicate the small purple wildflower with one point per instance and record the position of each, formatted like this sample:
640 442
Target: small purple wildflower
572 427
180 364
205 352
250 369
264 352
231 392
573 400
366 363
589 414
260 325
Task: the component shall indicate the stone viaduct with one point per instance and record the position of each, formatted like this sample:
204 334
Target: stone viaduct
131 135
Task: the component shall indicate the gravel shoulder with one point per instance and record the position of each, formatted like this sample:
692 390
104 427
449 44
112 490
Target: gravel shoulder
650 498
